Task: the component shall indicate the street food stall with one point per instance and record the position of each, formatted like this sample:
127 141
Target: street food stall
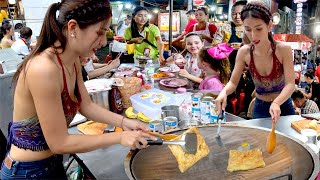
157 162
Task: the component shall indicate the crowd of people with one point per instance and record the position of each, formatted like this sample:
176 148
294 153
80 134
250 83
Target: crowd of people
72 33
22 45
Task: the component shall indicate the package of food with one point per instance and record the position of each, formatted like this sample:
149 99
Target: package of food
150 102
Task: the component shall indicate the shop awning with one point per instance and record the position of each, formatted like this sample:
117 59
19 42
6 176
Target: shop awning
292 38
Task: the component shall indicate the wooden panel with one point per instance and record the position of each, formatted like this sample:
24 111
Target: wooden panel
302 124
157 162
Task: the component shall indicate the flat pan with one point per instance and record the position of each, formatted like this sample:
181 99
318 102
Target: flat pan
290 158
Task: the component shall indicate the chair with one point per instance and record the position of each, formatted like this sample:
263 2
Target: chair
297 75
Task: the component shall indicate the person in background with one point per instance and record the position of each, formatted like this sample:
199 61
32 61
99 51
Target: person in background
189 56
178 42
49 91
123 26
145 36
203 27
303 105
309 79
270 64
7 31
317 72
97 69
231 32
22 45
215 66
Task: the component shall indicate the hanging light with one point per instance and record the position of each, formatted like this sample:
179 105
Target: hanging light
12 1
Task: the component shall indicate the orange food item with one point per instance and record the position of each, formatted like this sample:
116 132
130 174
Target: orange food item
160 75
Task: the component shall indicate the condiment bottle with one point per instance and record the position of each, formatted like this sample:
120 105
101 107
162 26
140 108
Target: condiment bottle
115 97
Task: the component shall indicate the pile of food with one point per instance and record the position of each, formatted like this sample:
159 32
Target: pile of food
130 114
160 75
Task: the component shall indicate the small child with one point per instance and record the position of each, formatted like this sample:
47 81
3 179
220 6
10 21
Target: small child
215 65
194 44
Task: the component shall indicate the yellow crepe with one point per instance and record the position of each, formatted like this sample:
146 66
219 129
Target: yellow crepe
92 128
186 160
245 160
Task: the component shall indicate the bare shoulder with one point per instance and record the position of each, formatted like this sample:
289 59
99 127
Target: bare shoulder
283 51
244 52
42 68
281 46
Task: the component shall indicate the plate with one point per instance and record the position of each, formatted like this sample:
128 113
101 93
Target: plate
162 75
171 69
173 82
96 85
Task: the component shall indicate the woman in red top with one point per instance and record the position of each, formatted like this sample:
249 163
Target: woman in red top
206 29
49 91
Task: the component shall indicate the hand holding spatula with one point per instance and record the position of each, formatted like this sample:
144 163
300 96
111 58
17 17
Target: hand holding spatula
188 142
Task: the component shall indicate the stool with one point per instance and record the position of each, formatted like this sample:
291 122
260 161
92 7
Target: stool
241 101
234 104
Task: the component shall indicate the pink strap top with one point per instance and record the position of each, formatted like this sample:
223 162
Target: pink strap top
271 83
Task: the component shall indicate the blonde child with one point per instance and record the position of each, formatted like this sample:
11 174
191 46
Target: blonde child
215 65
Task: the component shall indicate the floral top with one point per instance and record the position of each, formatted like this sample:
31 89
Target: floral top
192 66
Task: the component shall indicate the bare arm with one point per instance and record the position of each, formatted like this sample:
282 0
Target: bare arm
287 62
46 94
160 49
104 68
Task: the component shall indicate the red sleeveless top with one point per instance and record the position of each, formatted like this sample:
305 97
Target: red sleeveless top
271 83
70 107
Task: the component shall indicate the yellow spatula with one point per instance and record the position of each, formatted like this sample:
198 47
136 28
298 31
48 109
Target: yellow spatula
271 141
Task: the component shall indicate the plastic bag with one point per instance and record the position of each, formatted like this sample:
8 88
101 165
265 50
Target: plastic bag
130 48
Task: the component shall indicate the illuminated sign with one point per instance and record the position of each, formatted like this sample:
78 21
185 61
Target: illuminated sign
300 1
299 16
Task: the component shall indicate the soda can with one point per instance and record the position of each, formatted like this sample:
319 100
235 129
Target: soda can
213 113
156 126
205 109
195 108
196 98
170 122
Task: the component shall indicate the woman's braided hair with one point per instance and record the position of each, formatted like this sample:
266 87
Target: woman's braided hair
258 10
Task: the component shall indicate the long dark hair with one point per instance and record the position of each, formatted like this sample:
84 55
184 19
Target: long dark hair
134 27
221 65
5 27
85 12
260 11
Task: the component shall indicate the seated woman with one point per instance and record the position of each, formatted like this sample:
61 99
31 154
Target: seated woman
92 70
194 44
7 30
22 45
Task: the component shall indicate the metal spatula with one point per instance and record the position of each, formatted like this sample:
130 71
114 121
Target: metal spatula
188 142
218 138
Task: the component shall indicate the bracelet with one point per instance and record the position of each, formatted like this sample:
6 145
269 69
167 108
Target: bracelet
121 125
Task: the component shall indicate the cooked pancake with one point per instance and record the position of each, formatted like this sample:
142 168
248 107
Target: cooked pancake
245 160
92 128
186 160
